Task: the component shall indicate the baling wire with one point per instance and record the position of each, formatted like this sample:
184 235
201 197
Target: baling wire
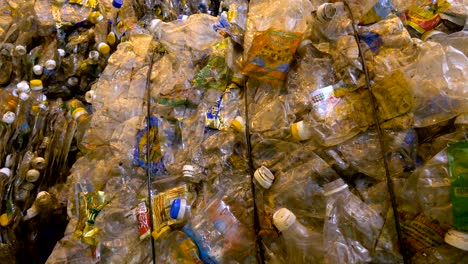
390 186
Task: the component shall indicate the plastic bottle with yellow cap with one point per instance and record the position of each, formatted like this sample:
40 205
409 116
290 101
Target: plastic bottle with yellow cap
78 112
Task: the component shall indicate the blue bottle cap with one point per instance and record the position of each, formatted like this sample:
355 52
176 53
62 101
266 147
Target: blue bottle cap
175 208
117 3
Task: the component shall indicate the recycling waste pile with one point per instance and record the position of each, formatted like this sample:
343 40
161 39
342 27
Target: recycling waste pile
287 131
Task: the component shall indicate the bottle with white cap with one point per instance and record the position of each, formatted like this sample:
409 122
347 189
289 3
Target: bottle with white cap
50 60
352 228
302 244
263 180
92 66
42 203
181 209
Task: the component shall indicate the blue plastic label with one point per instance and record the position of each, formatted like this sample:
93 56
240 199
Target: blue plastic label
140 154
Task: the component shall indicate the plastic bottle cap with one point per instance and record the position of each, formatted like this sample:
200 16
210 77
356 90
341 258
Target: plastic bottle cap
4 221
32 175
95 17
94 55
42 196
37 69
178 208
61 52
283 219
38 163
51 64
103 48
21 50
154 24
334 187
5 171
23 86
457 239
36 85
90 96
117 3
9 117
30 213
188 170
326 12
264 177
111 38
299 132
23 96
43 106
79 112
238 124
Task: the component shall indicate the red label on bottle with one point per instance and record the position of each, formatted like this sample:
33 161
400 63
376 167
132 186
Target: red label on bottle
143 218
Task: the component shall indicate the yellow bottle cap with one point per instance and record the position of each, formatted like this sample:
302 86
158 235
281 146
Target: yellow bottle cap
238 124
103 48
35 82
111 38
95 17
4 221
79 112
295 132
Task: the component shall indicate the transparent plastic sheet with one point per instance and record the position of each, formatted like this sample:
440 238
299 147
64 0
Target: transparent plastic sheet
107 166
401 153
437 81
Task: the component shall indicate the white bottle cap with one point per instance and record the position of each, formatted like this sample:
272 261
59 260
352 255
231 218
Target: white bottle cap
38 163
43 106
32 175
23 96
334 187
188 170
326 12
90 96
37 69
61 52
299 132
154 24
457 239
51 64
21 50
94 55
5 171
264 177
23 86
283 219
73 81
9 117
